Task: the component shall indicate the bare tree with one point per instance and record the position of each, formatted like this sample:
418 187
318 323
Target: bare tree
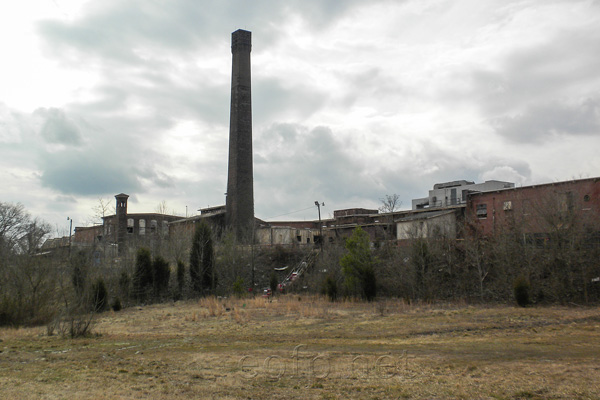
26 278
103 208
162 208
390 203
13 225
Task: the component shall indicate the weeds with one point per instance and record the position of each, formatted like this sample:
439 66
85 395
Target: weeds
192 350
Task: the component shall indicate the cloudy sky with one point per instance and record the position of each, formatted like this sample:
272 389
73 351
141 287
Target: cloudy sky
352 100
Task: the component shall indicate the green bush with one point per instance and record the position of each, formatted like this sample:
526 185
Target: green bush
358 266
330 288
202 259
180 276
124 285
238 287
521 289
116 305
142 278
160 275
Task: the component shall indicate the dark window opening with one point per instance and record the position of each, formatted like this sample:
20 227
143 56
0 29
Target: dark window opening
481 211
566 201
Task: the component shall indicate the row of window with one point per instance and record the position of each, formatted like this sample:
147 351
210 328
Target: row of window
481 210
564 203
142 226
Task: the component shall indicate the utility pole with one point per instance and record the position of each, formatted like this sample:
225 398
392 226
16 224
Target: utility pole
320 224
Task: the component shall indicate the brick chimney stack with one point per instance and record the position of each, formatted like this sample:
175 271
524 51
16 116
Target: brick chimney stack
240 181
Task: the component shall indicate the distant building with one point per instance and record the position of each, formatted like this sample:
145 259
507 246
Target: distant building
536 209
184 228
274 235
430 224
454 193
442 212
125 231
85 236
54 246
464 204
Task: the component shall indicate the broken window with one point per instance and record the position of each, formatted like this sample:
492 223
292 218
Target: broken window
507 206
481 211
153 226
142 223
165 228
130 223
566 201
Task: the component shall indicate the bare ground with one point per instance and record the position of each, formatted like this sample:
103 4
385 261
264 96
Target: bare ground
309 348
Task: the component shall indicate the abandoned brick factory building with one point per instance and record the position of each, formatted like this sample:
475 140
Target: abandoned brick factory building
447 210
537 208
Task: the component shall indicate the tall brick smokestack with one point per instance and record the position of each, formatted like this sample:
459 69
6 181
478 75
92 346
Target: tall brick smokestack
240 183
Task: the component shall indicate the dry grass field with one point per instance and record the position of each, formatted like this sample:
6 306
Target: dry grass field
309 348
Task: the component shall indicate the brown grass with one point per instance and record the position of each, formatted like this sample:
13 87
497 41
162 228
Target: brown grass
310 348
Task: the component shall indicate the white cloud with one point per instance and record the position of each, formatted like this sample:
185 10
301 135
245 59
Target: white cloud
352 100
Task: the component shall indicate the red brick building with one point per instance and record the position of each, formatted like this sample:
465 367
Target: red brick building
539 208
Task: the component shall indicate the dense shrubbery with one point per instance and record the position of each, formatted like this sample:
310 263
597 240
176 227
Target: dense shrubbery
36 287
558 270
330 288
521 291
358 266
202 274
151 277
142 278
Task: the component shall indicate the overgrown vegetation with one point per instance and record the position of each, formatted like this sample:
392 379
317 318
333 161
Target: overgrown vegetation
513 265
330 288
28 280
521 289
99 299
142 278
202 273
358 266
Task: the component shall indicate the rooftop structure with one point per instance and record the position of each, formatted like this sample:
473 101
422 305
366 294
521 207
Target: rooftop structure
455 193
